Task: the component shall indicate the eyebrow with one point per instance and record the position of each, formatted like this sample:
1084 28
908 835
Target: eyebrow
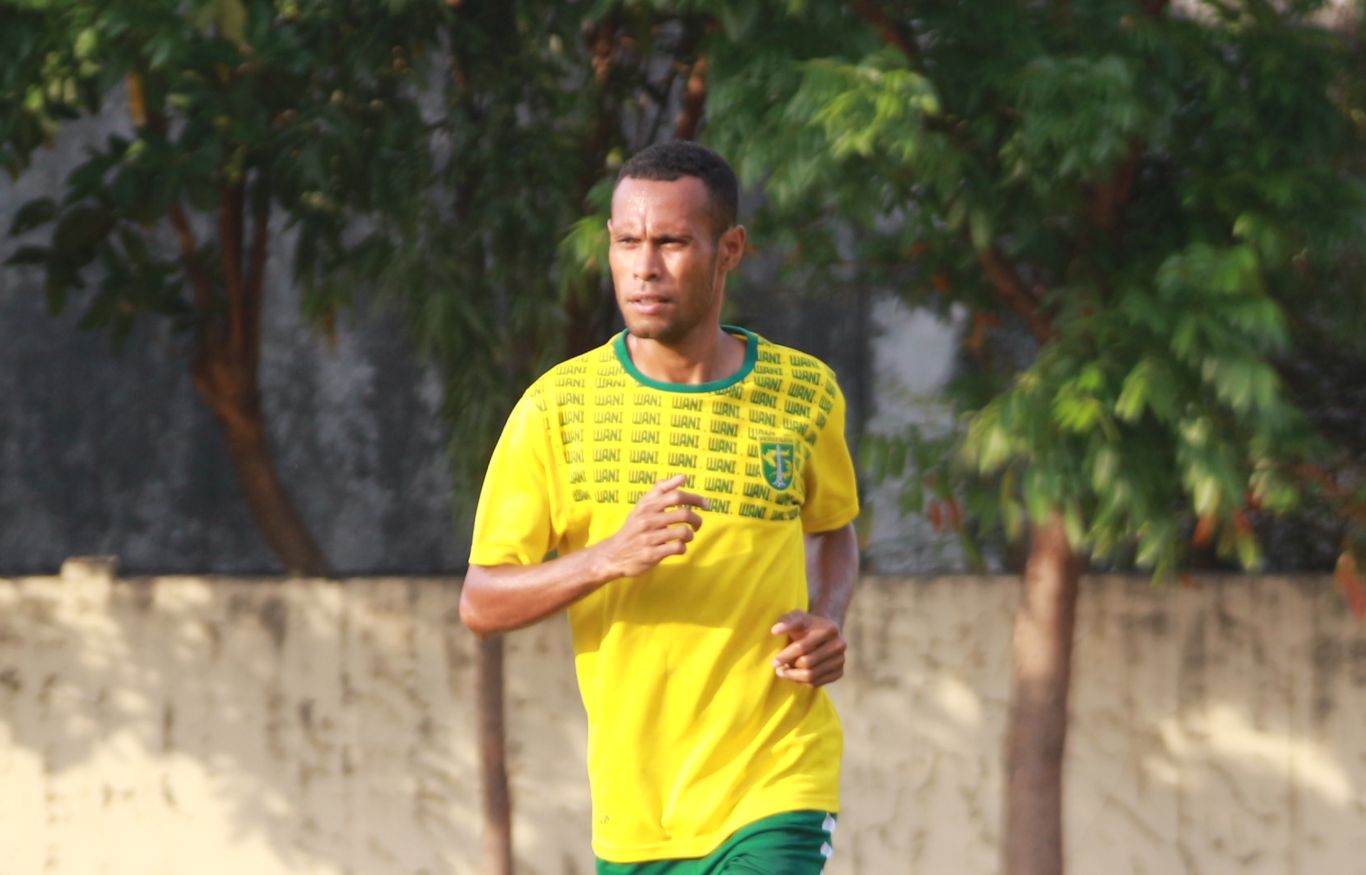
666 235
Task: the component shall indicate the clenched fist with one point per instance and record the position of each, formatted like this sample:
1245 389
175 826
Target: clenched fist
660 525
814 655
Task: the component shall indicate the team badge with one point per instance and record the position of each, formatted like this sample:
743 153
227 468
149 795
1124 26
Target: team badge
777 459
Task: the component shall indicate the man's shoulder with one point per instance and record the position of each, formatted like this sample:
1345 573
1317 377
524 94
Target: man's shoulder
796 364
573 377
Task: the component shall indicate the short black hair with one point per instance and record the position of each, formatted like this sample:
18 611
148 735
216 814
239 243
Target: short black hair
679 158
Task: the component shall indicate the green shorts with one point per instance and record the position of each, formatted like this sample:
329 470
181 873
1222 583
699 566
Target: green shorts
792 843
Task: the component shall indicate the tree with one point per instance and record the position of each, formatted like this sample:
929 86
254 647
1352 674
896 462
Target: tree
1146 213
241 111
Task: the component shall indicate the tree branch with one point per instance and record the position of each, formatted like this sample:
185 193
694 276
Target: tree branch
137 100
660 96
1323 479
256 270
231 209
189 249
1109 198
694 99
602 47
887 29
1014 293
585 307
602 39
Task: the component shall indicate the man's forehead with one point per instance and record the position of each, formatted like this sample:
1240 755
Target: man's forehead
679 201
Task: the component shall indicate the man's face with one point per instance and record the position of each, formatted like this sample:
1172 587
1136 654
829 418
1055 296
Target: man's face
667 264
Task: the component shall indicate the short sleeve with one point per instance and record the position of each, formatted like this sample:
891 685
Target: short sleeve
516 519
831 487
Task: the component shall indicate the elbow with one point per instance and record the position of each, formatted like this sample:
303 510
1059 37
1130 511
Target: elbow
470 614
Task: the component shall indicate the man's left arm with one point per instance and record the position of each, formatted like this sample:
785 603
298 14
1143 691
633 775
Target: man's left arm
814 655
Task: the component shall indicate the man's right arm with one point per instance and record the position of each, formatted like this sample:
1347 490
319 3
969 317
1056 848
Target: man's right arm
500 598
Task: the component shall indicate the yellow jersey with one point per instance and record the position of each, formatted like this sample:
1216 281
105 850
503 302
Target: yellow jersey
691 735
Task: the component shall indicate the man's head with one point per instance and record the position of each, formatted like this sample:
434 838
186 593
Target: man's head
666 162
673 240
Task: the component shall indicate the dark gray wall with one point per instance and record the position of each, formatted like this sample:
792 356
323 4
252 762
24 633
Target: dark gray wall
106 453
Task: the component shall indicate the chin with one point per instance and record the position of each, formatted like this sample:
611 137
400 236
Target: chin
667 332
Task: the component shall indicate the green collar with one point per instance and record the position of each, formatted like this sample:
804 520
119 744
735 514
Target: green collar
751 355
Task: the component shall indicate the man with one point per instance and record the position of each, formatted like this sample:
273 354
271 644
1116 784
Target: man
695 485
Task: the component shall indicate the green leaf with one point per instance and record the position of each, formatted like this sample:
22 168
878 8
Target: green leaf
231 18
979 225
28 255
1205 494
136 247
33 214
85 180
87 41
80 229
1133 397
100 312
1074 527
1012 511
55 290
1040 497
1249 552
202 193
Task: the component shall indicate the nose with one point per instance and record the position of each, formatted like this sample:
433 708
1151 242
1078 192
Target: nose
646 266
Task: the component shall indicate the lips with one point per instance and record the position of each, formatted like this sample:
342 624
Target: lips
648 305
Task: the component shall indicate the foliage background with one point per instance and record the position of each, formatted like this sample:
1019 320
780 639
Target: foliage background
879 179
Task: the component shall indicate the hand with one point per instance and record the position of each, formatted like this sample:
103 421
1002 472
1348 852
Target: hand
661 524
814 655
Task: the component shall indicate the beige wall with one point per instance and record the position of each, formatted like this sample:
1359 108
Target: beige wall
185 725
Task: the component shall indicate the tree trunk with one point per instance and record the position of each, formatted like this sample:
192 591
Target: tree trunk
276 516
227 357
493 758
1037 729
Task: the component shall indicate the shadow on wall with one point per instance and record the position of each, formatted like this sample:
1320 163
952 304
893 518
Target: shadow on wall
1215 729
185 725
190 725
1218 729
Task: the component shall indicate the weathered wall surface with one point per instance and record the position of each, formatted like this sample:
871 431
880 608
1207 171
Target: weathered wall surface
186 726
108 453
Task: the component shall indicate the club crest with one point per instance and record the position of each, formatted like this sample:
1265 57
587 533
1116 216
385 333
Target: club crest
777 463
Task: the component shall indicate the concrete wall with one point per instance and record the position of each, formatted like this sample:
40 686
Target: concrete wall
189 726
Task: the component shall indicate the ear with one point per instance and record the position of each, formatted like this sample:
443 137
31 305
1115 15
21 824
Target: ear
731 247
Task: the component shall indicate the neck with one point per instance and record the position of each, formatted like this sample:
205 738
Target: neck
702 358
